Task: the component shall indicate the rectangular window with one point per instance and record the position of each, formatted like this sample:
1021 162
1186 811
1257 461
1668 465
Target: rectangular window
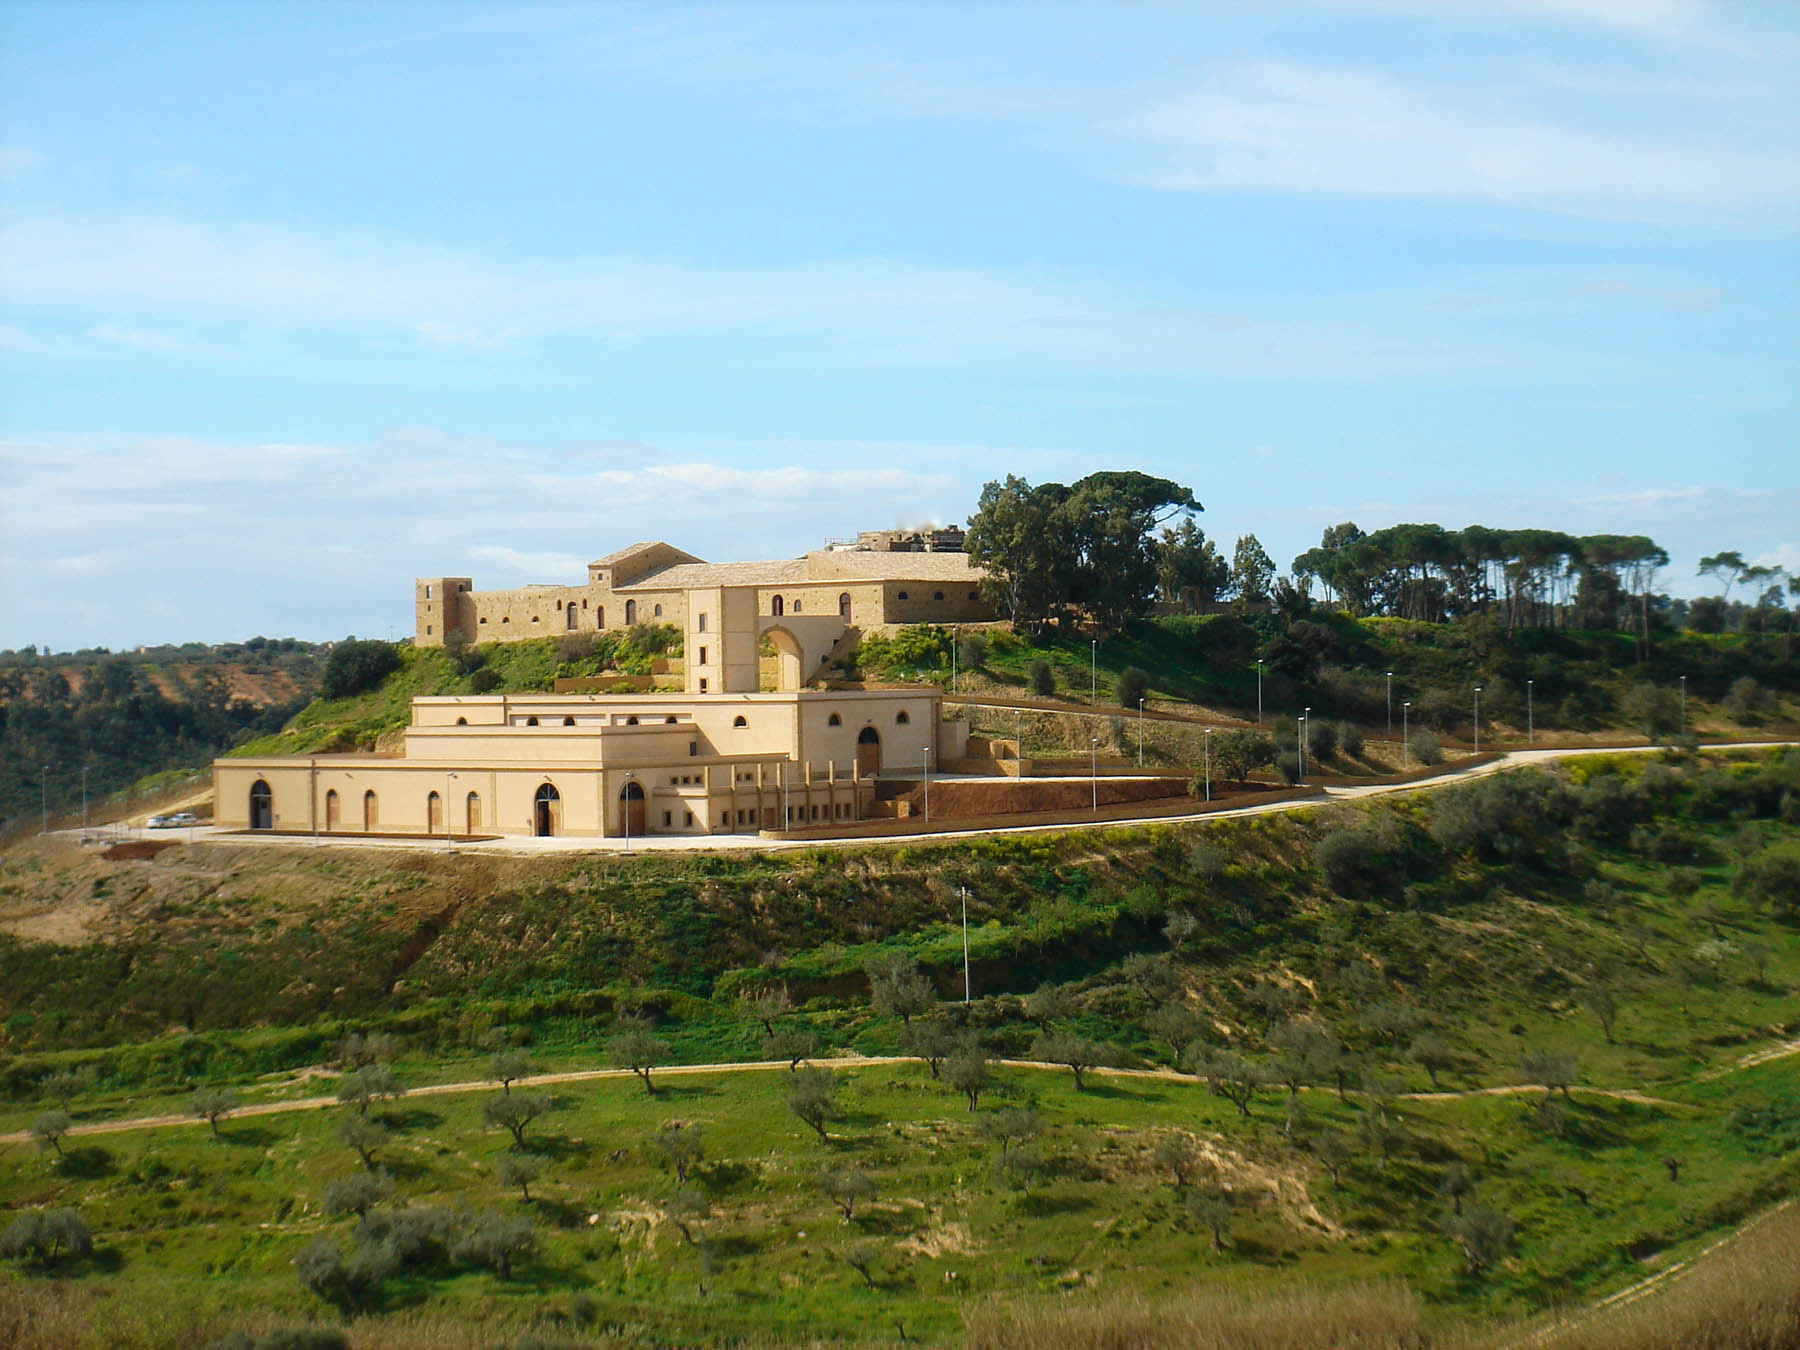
702 623
690 820
427 630
703 656
428 592
702 684
753 815
694 746
668 819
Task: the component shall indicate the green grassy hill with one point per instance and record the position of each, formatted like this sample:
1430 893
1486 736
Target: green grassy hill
1638 917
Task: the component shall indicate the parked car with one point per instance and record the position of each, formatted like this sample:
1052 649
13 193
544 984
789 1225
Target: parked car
179 820
160 822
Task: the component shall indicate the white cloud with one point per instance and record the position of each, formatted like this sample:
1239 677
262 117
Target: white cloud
317 540
1289 128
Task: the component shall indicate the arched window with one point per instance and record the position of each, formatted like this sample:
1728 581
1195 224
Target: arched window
777 608
796 606
371 811
740 721
844 606
531 721
900 595
937 595
262 806
473 805
670 719
434 813
631 721
657 612
599 616
332 809
631 611
834 721
901 717
462 721
568 721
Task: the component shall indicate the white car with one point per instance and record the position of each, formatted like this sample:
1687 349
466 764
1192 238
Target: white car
174 822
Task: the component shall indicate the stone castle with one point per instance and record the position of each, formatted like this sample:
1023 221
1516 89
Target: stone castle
880 578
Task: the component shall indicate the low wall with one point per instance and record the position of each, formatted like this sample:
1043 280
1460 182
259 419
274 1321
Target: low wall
1121 811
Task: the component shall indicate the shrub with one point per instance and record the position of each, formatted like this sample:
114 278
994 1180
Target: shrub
1236 753
972 650
1134 684
1745 698
572 647
356 664
1426 748
1349 859
1321 739
485 680
1287 764
46 1237
1770 881
1350 739
1043 679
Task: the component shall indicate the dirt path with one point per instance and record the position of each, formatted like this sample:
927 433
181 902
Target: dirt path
249 1109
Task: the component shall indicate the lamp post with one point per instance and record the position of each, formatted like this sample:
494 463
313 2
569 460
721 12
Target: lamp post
1094 672
1478 719
1094 770
625 797
1530 716
1405 735
1390 704
449 845
1259 691
965 909
1305 731
953 646
1207 743
927 758
85 768
1684 705
1140 733
787 812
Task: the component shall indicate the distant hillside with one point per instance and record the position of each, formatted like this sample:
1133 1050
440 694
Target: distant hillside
129 716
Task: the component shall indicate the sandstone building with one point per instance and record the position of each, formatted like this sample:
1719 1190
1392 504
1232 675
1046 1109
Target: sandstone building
880 578
722 757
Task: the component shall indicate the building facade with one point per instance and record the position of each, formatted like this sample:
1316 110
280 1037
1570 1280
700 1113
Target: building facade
867 585
723 757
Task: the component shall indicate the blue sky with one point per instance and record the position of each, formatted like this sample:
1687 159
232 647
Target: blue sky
298 302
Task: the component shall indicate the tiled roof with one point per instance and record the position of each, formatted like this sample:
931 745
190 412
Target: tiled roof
631 550
869 565
684 576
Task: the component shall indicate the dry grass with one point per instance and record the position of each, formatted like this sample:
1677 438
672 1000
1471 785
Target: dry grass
1744 1295
1365 1317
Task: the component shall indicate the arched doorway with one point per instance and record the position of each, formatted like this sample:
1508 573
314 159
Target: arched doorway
262 806
776 607
546 810
570 617
844 607
334 810
630 612
633 815
434 814
868 752
474 817
371 812
789 658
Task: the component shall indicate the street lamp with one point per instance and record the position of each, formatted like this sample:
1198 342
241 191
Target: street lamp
85 769
1684 705
1094 672
449 845
1390 704
625 797
1405 735
1305 731
1094 769
1478 719
1207 743
1259 691
927 758
1530 716
1140 733
965 909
